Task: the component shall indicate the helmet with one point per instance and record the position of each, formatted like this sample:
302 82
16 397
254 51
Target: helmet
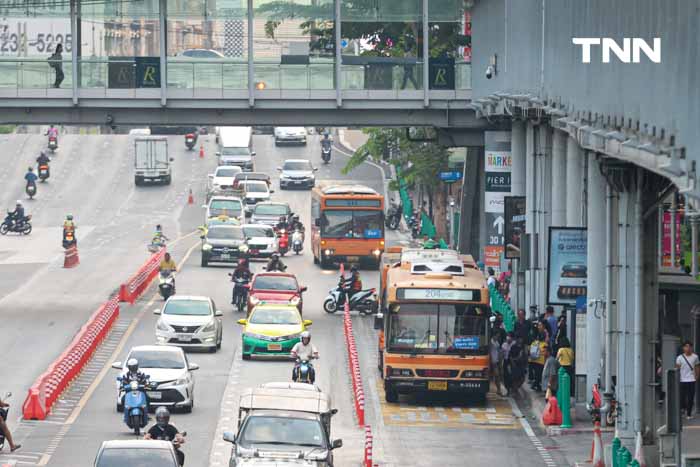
31 169
42 154
132 365
275 255
354 269
69 217
158 227
306 335
19 202
162 416
295 218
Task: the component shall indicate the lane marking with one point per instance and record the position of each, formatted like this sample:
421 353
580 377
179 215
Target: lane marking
536 442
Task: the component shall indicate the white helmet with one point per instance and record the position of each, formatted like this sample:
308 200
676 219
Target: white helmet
19 202
306 335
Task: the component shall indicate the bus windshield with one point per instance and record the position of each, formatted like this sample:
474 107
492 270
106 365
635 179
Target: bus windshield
352 224
447 328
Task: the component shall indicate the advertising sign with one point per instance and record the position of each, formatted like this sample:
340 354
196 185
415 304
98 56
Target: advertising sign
567 265
514 224
667 239
497 166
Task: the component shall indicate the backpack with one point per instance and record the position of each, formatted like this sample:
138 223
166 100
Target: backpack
535 350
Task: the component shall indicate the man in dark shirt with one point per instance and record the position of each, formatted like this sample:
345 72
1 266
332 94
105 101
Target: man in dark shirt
522 328
164 431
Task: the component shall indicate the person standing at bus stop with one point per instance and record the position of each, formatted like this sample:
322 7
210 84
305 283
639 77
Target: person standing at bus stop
687 362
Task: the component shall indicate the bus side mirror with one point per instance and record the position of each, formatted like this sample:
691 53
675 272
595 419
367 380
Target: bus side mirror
379 321
317 222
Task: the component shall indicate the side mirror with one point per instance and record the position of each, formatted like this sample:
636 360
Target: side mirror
334 411
303 289
156 311
204 206
308 322
8 394
230 437
210 175
337 443
242 322
117 365
279 169
218 313
217 154
247 239
272 191
252 153
317 222
172 159
193 367
379 321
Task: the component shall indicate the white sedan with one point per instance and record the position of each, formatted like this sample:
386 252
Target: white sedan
290 135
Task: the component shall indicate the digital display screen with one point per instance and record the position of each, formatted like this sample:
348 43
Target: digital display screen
353 203
454 295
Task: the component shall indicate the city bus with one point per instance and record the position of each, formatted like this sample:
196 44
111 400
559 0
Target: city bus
434 332
347 225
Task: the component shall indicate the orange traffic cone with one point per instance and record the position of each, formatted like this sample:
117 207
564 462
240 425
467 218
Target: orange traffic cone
190 198
201 151
639 451
71 259
597 458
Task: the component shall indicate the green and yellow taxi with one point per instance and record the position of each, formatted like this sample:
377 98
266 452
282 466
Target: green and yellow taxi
272 330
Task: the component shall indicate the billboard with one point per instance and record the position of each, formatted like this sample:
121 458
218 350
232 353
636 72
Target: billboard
567 265
498 162
514 207
666 245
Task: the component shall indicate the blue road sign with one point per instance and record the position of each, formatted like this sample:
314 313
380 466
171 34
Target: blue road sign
451 176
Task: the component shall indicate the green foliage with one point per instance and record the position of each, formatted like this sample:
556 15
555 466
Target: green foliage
6 129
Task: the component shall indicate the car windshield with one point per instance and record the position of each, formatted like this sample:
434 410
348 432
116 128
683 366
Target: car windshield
352 224
234 151
136 457
225 233
272 209
275 283
226 207
275 316
256 187
282 430
165 359
187 307
228 171
258 232
438 328
297 165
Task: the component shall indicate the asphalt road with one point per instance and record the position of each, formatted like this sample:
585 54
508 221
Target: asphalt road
414 432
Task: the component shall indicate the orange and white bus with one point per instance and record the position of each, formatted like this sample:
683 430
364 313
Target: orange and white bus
434 332
347 225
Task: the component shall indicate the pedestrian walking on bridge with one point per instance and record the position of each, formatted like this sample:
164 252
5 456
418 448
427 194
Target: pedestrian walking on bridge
687 362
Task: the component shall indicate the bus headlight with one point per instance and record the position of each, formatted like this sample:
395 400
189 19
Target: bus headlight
376 252
400 372
328 252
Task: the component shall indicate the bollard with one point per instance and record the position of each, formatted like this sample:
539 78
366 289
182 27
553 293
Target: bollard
564 398
625 458
616 446
634 463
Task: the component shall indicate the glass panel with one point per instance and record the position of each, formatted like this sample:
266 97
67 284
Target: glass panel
449 45
381 10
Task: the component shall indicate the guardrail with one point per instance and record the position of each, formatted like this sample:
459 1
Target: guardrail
354 367
368 446
135 286
49 386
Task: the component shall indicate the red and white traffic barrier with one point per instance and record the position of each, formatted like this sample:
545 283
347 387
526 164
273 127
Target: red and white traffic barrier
354 367
49 386
368 446
139 282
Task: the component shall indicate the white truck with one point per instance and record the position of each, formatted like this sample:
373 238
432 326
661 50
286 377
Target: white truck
151 161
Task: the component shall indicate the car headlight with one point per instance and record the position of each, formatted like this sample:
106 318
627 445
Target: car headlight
216 185
252 335
243 248
295 300
291 336
284 177
254 300
206 247
210 327
161 326
182 380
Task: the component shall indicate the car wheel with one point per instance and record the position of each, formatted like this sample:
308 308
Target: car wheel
188 408
213 349
245 356
390 394
205 261
325 264
120 407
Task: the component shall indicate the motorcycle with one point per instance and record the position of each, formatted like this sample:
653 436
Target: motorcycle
240 292
166 284
414 224
53 143
156 244
68 238
283 245
22 227
190 141
30 189
303 372
393 216
364 301
135 406
3 413
326 154
297 241
43 172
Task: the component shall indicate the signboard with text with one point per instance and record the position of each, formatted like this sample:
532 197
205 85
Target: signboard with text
497 166
567 271
514 207
667 239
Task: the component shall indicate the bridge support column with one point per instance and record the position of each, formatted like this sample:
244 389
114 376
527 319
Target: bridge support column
574 183
544 198
517 188
559 191
531 215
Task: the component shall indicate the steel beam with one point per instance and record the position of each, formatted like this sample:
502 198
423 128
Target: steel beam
338 22
251 56
426 55
163 45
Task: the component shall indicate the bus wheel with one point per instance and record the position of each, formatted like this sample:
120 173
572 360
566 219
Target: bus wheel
380 363
390 394
325 264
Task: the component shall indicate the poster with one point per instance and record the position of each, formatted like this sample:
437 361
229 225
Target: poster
497 179
514 216
567 265
667 239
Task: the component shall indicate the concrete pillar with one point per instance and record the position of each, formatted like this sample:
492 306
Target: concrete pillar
544 197
559 191
574 183
517 188
531 206
694 245
596 222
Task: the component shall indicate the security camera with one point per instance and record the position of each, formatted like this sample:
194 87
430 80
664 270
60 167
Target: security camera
489 72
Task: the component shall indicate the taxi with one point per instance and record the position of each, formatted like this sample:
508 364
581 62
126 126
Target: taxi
272 330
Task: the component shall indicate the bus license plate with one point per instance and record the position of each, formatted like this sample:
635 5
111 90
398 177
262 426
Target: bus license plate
353 259
437 385
155 395
274 347
225 256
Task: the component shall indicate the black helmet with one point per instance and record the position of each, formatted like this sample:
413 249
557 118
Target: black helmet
354 269
42 154
162 416
295 217
132 365
159 227
275 255
31 169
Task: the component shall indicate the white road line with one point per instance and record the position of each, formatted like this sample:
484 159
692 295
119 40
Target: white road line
544 454
227 416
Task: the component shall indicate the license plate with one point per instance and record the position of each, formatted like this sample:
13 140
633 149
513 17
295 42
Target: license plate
155 395
274 347
352 259
225 256
298 182
254 252
184 337
437 385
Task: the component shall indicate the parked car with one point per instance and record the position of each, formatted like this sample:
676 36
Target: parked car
269 213
228 206
222 180
271 329
261 239
255 192
223 244
275 287
169 368
136 452
290 135
189 321
297 173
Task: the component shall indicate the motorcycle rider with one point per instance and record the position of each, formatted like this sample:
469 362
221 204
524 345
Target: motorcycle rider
282 223
275 263
164 431
240 274
30 176
43 159
69 226
133 374
296 224
304 350
351 285
159 237
167 264
17 216
6 431
52 132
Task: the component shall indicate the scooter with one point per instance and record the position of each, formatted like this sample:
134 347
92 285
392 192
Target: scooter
30 189
326 154
3 413
156 244
414 223
364 301
22 227
240 292
297 241
283 244
303 372
190 141
166 284
393 216
69 239
135 406
53 143
43 172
